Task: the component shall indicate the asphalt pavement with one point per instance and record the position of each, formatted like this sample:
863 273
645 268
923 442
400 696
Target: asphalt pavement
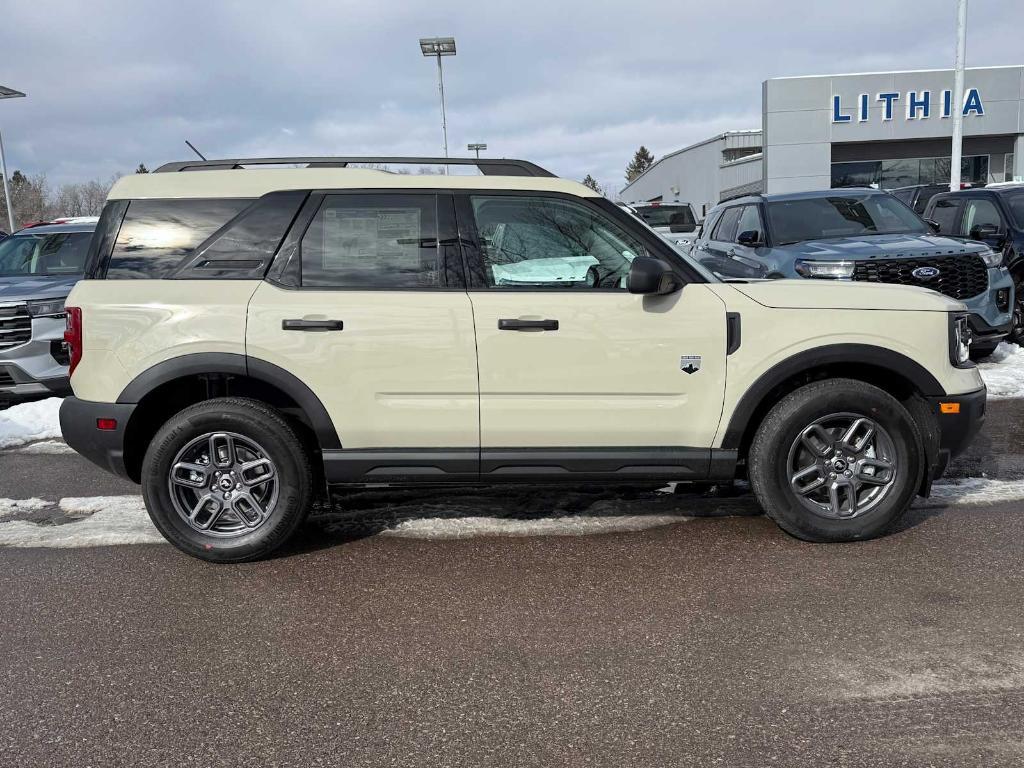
715 641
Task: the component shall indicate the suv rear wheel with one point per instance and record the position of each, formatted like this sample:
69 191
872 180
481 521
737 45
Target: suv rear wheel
227 480
836 460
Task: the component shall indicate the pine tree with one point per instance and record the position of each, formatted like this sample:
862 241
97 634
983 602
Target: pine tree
591 183
142 168
642 160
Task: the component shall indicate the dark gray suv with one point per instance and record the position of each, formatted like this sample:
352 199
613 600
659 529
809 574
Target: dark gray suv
857 234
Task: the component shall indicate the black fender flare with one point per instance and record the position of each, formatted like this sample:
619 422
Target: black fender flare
237 365
865 354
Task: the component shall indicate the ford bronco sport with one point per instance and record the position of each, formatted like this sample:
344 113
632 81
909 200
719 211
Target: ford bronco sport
247 337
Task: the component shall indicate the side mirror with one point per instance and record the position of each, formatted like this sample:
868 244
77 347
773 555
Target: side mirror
984 232
933 225
750 238
647 275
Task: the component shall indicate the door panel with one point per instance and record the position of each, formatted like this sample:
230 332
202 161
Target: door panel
400 374
372 324
610 375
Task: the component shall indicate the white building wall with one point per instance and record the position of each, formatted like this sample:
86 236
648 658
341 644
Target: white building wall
696 172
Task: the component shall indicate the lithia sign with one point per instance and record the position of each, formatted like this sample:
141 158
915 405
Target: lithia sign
918 105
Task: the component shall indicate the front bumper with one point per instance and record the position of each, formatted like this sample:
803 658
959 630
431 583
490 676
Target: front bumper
959 418
39 366
104 448
991 318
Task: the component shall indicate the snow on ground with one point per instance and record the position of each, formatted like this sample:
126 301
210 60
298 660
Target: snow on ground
106 520
972 490
14 506
578 525
28 422
47 446
1003 371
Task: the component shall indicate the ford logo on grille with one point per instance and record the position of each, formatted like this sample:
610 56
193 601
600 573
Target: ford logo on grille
926 273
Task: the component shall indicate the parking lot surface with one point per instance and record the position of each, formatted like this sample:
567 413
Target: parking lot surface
710 641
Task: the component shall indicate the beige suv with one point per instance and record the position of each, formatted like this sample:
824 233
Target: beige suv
248 336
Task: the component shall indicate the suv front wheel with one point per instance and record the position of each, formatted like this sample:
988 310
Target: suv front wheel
836 460
227 480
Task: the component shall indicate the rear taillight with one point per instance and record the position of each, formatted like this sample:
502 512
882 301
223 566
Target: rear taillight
73 337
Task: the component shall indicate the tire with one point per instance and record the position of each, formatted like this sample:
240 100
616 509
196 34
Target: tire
253 505
593 278
782 447
1017 329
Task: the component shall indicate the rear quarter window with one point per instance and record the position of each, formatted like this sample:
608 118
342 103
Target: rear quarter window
158 235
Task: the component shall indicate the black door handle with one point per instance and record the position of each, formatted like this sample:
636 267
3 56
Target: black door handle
312 325
527 325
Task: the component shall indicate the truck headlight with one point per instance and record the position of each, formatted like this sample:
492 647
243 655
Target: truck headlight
829 270
992 258
50 308
960 338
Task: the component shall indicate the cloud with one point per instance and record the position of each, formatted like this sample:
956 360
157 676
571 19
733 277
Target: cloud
575 86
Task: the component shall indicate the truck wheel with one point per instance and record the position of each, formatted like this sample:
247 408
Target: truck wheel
1017 329
836 460
227 480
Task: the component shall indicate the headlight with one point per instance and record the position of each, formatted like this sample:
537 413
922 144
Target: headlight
991 258
960 338
52 308
833 270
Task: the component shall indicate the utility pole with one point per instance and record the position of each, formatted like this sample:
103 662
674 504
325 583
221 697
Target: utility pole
440 46
958 95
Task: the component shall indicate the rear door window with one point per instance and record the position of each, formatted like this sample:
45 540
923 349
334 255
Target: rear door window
725 229
946 214
157 235
377 241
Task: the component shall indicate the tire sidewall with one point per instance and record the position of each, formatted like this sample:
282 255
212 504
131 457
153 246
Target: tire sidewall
273 437
783 504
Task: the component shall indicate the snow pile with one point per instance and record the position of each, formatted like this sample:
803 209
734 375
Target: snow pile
581 525
28 422
110 520
1003 371
14 506
58 447
972 490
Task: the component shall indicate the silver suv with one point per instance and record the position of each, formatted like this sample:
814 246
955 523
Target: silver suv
38 268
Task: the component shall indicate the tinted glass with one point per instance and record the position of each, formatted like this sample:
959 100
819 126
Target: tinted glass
55 253
979 213
1015 202
749 221
537 242
725 229
372 242
903 195
245 248
157 235
822 218
667 216
945 215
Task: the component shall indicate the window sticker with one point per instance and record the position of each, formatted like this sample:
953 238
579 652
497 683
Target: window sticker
370 237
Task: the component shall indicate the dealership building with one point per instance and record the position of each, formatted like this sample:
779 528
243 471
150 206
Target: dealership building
884 129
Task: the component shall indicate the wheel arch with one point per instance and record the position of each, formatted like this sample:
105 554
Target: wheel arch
171 385
891 371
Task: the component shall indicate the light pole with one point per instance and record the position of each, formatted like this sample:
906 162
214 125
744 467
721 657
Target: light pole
440 46
958 95
7 93
476 148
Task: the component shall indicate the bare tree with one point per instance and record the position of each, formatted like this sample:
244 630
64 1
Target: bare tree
29 198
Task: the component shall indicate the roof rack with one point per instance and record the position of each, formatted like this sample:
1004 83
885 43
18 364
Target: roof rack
488 167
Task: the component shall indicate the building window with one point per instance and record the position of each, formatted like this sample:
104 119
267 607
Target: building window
891 174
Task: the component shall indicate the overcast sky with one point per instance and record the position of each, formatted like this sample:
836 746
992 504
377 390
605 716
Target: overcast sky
574 86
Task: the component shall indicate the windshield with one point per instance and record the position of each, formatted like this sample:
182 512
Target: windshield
1015 202
822 218
50 253
666 215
